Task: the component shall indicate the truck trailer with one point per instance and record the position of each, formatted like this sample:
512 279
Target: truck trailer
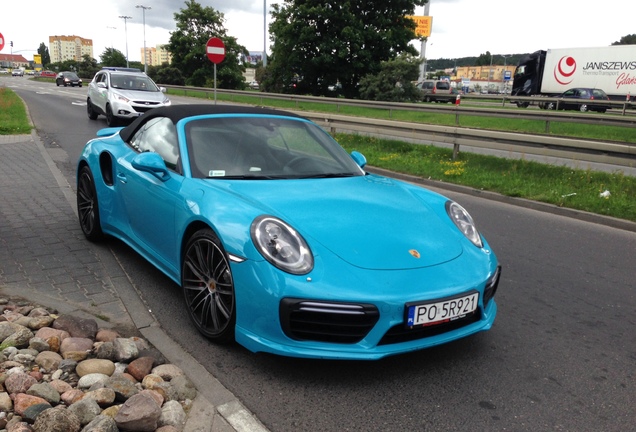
551 72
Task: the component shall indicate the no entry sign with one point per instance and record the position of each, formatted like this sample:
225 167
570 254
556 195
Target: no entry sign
1 41
215 50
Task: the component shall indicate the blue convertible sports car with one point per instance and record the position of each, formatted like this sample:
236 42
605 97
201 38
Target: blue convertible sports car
280 240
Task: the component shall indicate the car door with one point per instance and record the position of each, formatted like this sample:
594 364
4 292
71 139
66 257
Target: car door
150 201
569 99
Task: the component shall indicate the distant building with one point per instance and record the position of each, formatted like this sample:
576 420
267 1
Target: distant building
63 48
10 61
156 55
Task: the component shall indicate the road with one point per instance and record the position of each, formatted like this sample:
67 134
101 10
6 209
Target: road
560 357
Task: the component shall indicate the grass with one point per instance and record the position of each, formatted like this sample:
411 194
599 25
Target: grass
13 115
558 185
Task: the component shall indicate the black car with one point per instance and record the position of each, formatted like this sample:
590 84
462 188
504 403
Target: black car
68 79
579 99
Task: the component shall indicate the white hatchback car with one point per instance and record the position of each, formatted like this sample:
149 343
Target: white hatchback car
123 94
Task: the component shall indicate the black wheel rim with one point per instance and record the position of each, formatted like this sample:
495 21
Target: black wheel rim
208 287
86 203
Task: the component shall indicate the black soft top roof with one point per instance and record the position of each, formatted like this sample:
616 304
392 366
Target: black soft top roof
178 112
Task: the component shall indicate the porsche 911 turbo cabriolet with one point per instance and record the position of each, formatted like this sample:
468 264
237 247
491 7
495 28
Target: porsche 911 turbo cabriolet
279 238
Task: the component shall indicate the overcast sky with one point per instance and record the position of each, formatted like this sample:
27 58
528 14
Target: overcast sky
461 28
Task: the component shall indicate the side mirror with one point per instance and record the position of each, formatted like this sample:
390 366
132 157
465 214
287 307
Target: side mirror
152 163
359 158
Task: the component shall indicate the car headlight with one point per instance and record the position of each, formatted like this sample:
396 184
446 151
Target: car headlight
122 98
281 245
464 222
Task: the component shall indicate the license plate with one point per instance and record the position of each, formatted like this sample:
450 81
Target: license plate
425 314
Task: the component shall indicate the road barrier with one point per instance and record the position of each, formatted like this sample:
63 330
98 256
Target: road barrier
615 153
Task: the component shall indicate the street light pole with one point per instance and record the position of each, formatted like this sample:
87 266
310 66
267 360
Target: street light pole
125 18
144 19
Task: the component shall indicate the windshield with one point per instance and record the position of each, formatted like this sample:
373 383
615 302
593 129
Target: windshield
133 82
264 147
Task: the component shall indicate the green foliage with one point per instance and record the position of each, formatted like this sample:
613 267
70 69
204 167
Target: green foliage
44 52
627 40
393 82
320 43
195 26
166 75
113 57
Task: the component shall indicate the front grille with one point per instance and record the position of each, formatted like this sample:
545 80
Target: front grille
142 106
401 333
327 321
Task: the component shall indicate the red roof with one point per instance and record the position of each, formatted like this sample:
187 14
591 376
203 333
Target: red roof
18 58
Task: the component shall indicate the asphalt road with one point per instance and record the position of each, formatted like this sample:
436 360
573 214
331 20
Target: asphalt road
560 357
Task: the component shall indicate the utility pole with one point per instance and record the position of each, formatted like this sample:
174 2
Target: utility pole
144 19
423 47
125 18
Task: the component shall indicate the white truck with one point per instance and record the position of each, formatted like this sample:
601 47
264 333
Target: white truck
17 72
551 72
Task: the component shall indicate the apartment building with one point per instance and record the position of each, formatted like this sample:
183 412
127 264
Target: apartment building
63 48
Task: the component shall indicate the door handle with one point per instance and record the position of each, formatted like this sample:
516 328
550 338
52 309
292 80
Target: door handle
122 177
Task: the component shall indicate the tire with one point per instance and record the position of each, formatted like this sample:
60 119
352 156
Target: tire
583 108
88 206
208 287
523 104
90 110
550 106
111 120
427 98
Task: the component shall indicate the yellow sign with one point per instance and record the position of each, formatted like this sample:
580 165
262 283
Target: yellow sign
424 25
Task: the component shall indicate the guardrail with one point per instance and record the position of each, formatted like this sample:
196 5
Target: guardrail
622 154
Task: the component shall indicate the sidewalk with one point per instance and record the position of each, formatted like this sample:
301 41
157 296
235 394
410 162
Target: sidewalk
45 258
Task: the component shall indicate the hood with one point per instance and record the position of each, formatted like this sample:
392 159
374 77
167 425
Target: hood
140 95
369 221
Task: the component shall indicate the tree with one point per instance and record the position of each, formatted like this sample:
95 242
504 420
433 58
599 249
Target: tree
195 26
317 43
113 57
87 67
394 82
43 50
627 40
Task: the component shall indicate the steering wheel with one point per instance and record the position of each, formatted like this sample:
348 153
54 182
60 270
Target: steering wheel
296 163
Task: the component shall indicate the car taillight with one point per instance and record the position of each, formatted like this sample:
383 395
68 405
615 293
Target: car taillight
434 90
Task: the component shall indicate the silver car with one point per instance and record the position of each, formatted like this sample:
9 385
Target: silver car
123 94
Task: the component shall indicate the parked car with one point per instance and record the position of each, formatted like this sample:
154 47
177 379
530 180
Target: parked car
123 94
68 79
578 99
253 85
48 74
280 240
4 71
436 91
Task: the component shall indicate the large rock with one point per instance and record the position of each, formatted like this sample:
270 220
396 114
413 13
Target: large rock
101 423
172 414
46 392
56 420
76 327
85 410
48 360
23 401
19 383
140 413
90 366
